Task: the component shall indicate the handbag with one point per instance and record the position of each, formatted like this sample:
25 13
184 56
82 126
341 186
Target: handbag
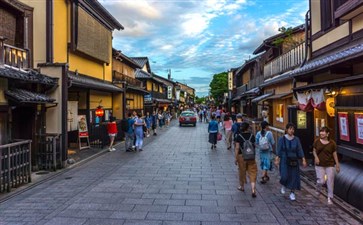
291 157
219 136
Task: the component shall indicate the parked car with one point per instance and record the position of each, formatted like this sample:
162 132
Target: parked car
187 117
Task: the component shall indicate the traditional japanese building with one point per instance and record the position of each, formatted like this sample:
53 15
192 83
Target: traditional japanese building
73 42
124 70
157 99
333 93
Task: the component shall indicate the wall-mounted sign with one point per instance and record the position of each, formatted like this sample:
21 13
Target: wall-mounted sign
147 98
359 127
170 89
301 120
343 126
230 81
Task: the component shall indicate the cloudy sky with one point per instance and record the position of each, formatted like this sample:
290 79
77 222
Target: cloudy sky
199 38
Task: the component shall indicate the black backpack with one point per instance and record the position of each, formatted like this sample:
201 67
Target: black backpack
248 150
125 125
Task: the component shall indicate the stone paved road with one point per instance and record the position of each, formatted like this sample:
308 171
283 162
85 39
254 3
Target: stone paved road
176 180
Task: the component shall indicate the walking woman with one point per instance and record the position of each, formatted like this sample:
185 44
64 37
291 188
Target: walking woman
289 151
265 141
325 154
139 132
112 132
213 131
227 125
245 166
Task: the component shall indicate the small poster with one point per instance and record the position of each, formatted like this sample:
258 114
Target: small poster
82 126
343 126
301 120
359 127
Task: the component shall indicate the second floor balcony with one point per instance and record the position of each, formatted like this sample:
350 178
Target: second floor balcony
13 56
285 62
158 95
120 77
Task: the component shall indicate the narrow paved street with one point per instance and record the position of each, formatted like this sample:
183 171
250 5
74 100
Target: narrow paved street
176 180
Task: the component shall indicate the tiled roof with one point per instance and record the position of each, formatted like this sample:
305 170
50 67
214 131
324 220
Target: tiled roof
277 79
137 89
29 76
141 61
262 97
163 80
142 74
329 60
24 96
92 83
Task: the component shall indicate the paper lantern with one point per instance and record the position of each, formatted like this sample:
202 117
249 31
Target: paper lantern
99 111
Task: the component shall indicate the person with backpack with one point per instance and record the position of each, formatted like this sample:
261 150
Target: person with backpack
245 157
129 134
265 142
289 151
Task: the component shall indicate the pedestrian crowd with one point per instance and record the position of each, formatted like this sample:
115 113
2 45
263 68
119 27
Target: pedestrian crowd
287 155
136 127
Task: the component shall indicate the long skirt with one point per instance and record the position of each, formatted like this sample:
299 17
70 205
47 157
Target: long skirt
213 138
290 175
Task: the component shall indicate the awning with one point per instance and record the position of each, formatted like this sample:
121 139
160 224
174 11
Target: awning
253 91
137 89
262 97
237 98
30 76
329 60
339 81
281 96
24 96
277 79
93 83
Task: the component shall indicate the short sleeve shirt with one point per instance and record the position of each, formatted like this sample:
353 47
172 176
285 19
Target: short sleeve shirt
325 152
246 136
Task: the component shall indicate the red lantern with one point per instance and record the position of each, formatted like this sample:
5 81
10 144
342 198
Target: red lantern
99 111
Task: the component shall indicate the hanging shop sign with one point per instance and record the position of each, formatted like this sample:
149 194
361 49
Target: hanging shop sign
359 127
343 126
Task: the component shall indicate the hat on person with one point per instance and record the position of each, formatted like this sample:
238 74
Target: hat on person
239 115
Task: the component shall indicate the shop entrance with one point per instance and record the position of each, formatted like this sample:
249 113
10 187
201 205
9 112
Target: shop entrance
304 122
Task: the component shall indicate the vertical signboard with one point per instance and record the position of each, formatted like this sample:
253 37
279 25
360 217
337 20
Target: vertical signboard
230 80
359 127
170 89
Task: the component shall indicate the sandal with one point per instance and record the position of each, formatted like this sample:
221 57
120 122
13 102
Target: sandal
240 188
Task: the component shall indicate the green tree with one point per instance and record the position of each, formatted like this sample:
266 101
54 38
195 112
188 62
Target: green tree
219 86
199 100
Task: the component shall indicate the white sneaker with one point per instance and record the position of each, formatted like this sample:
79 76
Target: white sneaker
330 202
292 196
113 149
283 190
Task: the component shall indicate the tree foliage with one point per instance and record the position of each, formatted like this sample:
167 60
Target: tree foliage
219 86
199 100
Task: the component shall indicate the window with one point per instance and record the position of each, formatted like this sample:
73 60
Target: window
326 14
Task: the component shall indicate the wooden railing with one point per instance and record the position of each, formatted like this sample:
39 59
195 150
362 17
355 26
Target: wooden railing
156 94
255 82
241 89
285 62
119 77
15 164
13 56
49 156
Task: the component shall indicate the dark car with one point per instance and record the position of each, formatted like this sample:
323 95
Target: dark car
187 117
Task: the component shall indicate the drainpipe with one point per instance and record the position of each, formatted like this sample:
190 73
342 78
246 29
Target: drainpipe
49 30
307 39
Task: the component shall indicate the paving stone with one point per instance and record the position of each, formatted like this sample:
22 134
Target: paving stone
177 180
